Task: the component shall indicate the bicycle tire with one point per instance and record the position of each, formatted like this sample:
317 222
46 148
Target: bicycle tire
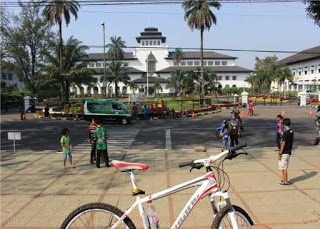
96 206
224 213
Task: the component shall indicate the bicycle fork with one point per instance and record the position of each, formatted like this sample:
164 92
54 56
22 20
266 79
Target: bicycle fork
227 202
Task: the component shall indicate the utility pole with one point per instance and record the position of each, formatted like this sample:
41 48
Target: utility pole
104 52
147 60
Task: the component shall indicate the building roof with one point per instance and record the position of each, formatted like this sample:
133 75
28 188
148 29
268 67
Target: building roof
99 56
150 80
206 55
129 70
217 69
151 33
305 55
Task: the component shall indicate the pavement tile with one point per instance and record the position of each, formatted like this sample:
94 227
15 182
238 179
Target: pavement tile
31 184
282 207
305 179
11 204
50 211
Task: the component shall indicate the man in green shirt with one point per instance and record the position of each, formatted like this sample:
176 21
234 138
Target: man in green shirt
66 146
101 135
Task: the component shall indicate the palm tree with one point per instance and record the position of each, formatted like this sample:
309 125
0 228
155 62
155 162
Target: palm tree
157 87
133 86
251 80
177 56
54 12
116 74
176 81
74 73
200 17
116 47
211 80
281 74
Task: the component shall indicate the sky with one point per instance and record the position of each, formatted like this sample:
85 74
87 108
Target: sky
263 26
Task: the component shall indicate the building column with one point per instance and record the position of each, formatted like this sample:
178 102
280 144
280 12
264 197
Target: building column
99 90
85 89
78 90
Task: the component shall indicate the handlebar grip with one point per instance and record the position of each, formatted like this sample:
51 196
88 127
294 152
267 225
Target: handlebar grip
184 164
240 146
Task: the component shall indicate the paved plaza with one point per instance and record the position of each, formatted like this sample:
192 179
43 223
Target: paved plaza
36 192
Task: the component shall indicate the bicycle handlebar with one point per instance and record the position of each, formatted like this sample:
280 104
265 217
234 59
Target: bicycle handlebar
230 154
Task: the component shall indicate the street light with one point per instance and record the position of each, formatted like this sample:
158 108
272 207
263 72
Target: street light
104 51
147 61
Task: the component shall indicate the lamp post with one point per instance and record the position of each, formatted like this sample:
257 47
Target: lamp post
147 61
104 51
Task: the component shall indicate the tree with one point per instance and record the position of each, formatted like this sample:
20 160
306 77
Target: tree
24 37
176 81
157 87
54 11
133 86
210 81
251 80
313 10
188 84
281 74
116 73
199 16
116 47
177 56
74 73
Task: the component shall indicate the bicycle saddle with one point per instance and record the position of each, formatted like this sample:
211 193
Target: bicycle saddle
127 166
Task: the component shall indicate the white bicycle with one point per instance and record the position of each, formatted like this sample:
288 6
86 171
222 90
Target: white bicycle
226 215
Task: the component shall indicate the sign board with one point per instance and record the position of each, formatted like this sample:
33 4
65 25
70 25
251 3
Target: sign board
14 135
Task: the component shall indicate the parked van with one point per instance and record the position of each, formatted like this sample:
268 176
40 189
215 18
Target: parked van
105 109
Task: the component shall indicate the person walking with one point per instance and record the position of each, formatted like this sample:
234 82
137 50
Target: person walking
225 139
100 136
134 111
279 131
145 111
251 108
285 151
46 111
21 110
92 128
234 130
66 146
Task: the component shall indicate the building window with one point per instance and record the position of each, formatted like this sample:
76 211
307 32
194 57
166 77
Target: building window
227 77
151 67
142 42
293 73
299 73
234 85
158 42
10 76
217 63
91 65
125 64
312 71
210 63
205 63
305 72
183 63
4 76
234 77
154 43
190 63
147 43
227 85
224 63
98 65
197 63
319 70
220 77
175 63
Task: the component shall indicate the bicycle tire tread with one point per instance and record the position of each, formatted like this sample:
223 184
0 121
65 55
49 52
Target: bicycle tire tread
224 211
104 206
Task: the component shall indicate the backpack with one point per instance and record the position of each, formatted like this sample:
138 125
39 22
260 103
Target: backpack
101 136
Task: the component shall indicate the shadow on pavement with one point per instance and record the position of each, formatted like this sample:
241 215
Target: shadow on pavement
303 177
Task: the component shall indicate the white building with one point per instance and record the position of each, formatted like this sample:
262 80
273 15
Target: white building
153 51
305 67
10 78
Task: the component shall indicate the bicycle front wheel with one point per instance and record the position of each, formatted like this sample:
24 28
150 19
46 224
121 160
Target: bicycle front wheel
96 215
223 221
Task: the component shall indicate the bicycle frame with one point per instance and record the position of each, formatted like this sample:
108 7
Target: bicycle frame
208 186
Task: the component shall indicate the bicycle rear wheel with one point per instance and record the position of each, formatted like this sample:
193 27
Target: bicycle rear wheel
96 215
222 220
